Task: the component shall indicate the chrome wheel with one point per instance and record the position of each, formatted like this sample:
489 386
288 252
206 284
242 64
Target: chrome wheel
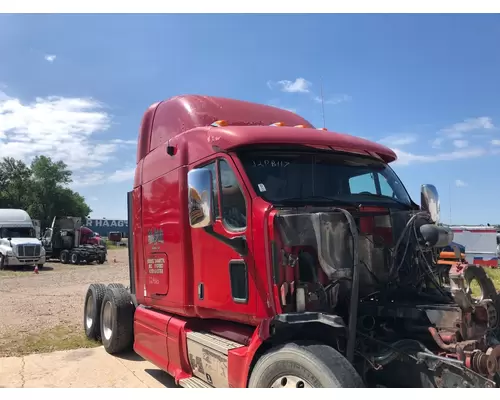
290 382
89 312
107 315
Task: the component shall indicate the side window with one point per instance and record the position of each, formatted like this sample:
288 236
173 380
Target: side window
385 188
234 210
363 183
215 193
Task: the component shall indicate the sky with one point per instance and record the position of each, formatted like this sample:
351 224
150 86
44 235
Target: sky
75 87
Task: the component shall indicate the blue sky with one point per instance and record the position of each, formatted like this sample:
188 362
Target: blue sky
75 87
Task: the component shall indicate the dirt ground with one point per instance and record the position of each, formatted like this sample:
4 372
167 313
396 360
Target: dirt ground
37 311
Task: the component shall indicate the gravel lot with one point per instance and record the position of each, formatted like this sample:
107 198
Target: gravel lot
32 304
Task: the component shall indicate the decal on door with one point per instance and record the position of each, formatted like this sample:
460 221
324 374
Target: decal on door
157 272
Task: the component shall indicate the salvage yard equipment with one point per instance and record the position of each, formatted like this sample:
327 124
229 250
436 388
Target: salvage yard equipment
71 243
266 253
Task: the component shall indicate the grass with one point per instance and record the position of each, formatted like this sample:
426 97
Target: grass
61 337
494 275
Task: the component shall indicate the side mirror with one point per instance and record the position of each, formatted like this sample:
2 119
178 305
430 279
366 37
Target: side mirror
429 201
200 208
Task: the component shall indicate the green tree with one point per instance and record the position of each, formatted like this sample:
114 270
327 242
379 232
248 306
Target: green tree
41 189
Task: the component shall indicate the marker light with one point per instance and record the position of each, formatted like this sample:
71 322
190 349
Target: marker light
300 126
322 129
219 123
278 124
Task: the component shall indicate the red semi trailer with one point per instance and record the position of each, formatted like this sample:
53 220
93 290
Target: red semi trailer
267 253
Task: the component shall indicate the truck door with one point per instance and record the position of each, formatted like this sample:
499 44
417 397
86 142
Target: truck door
223 284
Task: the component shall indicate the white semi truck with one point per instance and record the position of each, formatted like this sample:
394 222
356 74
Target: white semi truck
19 244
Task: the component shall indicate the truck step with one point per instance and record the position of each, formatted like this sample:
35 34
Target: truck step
194 383
212 341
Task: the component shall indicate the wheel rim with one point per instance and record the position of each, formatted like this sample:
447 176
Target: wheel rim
290 382
106 320
89 313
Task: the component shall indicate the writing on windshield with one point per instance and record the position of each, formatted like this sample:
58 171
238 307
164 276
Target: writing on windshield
281 175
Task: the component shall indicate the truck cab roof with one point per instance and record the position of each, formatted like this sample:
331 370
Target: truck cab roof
241 124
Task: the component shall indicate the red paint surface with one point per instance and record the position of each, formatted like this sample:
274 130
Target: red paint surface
160 203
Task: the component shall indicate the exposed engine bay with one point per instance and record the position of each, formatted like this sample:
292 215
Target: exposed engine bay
377 269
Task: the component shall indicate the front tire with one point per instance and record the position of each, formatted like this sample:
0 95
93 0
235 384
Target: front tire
40 267
117 320
2 262
304 365
92 310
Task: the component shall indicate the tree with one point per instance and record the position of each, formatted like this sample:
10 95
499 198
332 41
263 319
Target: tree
41 189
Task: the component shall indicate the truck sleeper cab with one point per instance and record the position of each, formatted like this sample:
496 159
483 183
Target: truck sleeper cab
244 222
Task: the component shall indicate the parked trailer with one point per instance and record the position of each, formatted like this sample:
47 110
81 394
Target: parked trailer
267 253
479 243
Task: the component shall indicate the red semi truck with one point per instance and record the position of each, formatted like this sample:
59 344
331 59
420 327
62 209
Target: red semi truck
267 253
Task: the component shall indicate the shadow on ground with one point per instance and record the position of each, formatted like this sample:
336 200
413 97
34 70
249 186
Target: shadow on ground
161 376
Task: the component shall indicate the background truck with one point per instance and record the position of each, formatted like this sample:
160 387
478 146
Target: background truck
19 244
70 242
267 253
479 244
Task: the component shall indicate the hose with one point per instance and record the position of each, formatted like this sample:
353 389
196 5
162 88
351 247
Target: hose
353 307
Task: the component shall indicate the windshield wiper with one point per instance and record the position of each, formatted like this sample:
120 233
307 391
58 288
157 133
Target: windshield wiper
384 197
329 199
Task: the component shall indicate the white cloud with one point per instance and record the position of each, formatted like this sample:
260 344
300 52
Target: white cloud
50 57
405 158
299 85
122 175
337 99
398 140
121 141
460 183
456 131
460 144
63 128
495 142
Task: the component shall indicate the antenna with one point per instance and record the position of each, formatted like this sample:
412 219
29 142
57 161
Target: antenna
322 103
449 195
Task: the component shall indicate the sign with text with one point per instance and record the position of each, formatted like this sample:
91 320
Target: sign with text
107 223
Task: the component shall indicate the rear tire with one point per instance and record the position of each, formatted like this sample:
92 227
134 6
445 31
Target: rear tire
101 258
117 320
2 262
304 365
92 310
75 258
64 257
116 285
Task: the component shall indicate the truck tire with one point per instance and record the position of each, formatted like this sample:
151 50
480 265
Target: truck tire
116 285
2 262
117 320
92 310
64 257
40 267
75 258
304 365
101 258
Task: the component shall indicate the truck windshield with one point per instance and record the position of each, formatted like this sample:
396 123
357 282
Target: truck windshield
15 232
294 177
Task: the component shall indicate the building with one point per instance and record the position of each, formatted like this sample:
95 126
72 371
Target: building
104 226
